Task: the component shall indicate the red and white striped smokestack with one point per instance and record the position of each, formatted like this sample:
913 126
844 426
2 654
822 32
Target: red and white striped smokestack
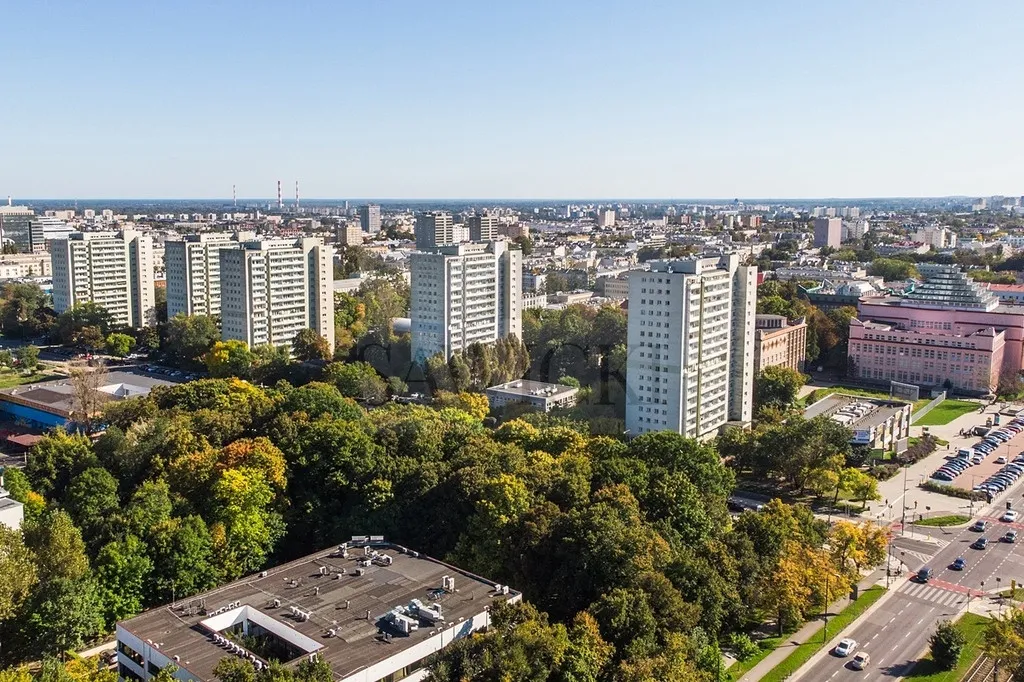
280 201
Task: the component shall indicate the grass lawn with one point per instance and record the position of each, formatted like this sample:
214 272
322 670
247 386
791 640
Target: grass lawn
803 653
820 393
926 671
940 521
741 668
946 412
9 378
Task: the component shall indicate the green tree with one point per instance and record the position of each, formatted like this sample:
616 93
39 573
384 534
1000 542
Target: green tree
357 380
123 572
182 553
777 386
24 310
17 572
65 614
120 345
150 505
234 669
55 459
309 345
893 270
58 547
947 644
246 528
81 322
188 337
93 503
28 357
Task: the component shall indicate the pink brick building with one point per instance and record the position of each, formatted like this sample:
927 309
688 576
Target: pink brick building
948 329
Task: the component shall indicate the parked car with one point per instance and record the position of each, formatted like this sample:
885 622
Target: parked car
1001 459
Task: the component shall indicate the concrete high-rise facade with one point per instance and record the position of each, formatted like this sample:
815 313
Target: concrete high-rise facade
483 227
273 289
15 228
193 271
113 270
350 234
434 230
464 294
690 339
369 218
828 232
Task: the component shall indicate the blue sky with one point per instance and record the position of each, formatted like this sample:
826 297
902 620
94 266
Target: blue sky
555 98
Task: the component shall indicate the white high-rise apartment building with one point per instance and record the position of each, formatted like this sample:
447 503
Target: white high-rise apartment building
464 294
690 364
193 271
112 269
272 289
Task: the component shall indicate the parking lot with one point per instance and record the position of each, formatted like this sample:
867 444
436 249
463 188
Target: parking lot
989 450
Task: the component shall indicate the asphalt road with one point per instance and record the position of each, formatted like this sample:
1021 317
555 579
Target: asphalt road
897 633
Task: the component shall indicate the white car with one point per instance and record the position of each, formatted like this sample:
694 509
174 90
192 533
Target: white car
1001 459
1010 516
845 647
860 661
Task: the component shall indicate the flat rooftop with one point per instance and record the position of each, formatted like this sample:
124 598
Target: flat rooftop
327 587
858 411
57 396
527 388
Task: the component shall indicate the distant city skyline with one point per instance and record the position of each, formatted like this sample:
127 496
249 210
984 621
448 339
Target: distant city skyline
530 100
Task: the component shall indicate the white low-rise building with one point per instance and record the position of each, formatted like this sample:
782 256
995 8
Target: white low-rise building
372 611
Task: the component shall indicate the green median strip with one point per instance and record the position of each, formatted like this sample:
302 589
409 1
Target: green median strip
940 521
973 626
802 653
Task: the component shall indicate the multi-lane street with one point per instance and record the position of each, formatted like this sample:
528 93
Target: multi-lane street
897 632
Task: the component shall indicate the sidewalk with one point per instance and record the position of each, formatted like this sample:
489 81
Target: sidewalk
809 630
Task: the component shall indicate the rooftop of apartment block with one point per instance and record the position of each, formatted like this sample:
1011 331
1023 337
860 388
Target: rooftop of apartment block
334 603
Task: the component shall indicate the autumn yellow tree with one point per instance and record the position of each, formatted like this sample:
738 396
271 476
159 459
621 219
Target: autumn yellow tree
474 403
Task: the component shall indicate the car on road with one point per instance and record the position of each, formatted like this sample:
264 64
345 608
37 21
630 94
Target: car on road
1011 536
958 564
980 525
1010 516
980 543
860 661
845 647
923 575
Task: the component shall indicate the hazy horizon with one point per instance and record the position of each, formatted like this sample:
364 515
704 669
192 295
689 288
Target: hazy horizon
529 100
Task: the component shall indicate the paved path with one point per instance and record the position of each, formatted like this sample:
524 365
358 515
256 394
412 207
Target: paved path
805 634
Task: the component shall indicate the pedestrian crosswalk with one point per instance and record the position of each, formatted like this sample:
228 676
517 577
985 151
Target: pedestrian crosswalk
935 595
